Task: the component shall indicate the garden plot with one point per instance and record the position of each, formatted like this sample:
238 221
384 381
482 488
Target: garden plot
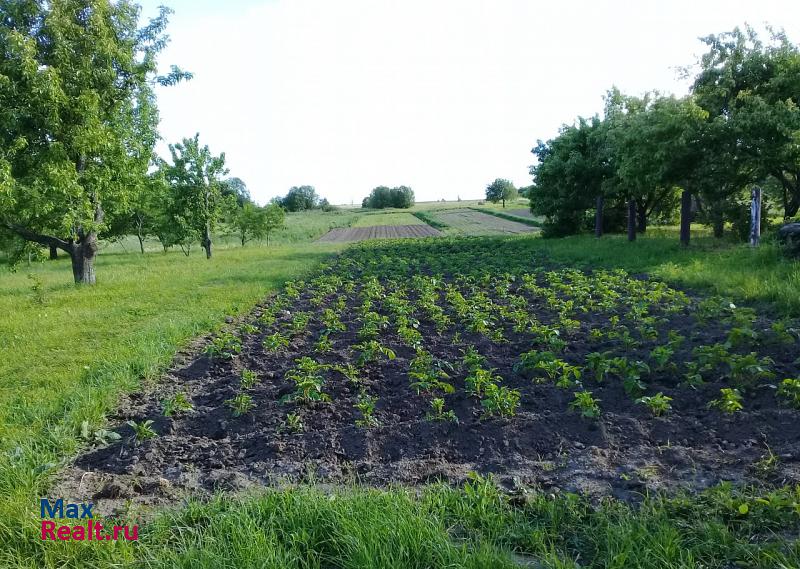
595 382
351 234
470 222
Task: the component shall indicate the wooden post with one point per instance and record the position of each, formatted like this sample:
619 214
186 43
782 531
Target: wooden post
755 216
598 217
631 220
686 217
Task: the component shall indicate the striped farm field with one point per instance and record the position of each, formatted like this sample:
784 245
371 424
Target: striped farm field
470 222
352 234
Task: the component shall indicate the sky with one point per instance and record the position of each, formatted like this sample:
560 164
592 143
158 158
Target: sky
443 96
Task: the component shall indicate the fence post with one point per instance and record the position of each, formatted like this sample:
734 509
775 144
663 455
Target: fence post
755 216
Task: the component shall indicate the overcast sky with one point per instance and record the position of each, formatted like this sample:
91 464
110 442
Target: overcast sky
440 95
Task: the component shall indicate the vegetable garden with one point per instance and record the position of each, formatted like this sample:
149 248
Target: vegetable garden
545 376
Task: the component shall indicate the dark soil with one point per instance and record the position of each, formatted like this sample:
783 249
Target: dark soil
626 452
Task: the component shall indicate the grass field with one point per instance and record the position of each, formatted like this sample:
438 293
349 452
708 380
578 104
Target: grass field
67 353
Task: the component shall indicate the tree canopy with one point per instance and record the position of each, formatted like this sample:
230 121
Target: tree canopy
384 196
501 190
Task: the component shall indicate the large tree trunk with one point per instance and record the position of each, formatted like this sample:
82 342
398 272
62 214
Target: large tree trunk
718 222
598 217
83 256
53 251
686 217
631 220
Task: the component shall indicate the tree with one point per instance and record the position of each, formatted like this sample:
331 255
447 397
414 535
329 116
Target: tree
236 189
401 197
77 118
254 223
501 190
300 198
195 180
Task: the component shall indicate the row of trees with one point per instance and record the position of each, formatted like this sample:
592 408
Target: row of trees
383 197
661 157
302 198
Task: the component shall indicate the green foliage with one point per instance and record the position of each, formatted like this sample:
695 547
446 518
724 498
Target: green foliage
142 431
789 389
241 404
308 380
371 351
437 412
383 197
248 379
224 347
300 198
585 402
276 342
99 436
658 403
178 403
366 405
499 401
729 401
501 190
292 424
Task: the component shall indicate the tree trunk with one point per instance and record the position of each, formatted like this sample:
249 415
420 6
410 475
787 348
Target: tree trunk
504 203
83 256
598 217
244 239
207 241
53 252
686 217
718 223
631 220
141 242
641 222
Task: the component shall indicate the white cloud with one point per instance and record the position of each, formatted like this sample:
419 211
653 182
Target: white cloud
441 95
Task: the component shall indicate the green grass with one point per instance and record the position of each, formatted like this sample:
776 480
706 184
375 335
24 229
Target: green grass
389 217
66 360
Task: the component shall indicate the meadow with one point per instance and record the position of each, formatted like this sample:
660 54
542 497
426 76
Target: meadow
69 353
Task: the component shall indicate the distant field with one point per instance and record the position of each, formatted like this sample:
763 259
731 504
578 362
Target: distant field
470 222
353 234
386 218
522 213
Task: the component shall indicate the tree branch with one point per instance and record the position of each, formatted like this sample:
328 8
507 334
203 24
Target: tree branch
46 240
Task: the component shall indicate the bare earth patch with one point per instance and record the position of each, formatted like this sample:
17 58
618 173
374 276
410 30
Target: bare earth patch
352 234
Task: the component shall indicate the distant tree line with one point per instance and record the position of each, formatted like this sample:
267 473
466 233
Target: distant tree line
695 158
302 198
384 196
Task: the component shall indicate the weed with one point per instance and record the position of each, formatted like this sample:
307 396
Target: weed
789 389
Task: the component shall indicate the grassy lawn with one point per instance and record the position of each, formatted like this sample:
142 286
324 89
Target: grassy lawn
66 359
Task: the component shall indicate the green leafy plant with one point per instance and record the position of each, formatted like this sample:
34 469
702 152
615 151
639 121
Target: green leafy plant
98 436
224 347
291 424
241 404
142 431
658 403
428 374
351 373
323 345
585 402
661 356
478 380
178 403
437 412
599 364
631 374
249 379
248 328
747 370
789 389
366 405
729 401
276 342
500 401
308 380
371 351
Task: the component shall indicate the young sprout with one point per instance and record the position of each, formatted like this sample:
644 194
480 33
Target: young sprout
249 379
730 401
658 403
438 413
224 347
789 389
500 401
275 342
587 405
292 424
142 431
241 404
366 405
178 403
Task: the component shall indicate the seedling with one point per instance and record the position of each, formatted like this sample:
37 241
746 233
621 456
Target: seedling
438 413
351 372
99 436
428 374
241 404
248 328
472 358
599 364
371 351
308 382
178 403
747 370
142 431
323 344
276 342
587 405
500 401
658 403
224 347
631 374
292 424
661 357
789 389
366 404
730 401
478 380
249 379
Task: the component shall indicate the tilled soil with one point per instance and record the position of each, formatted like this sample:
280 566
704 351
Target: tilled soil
352 234
624 453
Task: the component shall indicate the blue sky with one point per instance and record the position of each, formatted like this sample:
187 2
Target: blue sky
440 95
